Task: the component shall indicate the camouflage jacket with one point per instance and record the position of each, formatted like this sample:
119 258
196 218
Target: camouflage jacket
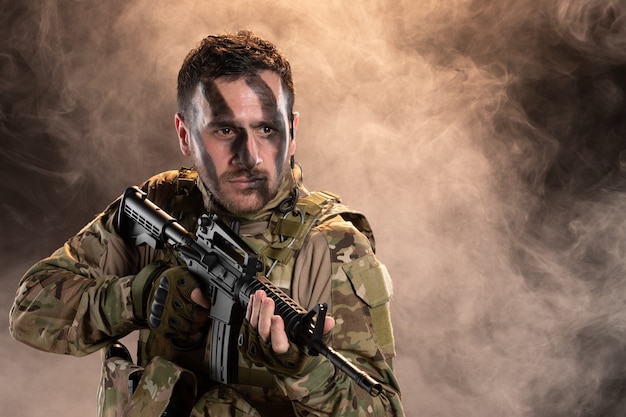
78 300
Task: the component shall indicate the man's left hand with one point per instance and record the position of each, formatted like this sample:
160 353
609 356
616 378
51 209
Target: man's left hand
271 328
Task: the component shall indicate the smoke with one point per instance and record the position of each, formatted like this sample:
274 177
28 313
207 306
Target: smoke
483 139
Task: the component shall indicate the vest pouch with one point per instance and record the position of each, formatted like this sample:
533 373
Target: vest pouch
372 284
118 380
163 389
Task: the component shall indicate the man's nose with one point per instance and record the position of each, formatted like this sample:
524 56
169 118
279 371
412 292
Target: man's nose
247 152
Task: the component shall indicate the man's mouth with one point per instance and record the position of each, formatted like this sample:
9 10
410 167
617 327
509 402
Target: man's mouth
244 183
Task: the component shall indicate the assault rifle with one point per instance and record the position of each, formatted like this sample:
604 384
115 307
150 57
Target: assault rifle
227 270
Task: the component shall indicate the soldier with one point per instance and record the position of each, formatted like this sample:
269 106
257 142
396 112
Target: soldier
236 124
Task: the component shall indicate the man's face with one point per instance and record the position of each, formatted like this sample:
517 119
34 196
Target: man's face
239 139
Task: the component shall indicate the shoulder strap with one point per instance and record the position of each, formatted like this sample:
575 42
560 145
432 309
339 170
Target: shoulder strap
187 204
311 210
292 227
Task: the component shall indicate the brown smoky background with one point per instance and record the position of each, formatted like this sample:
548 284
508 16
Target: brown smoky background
483 138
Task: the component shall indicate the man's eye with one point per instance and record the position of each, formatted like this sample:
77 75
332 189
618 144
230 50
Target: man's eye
225 131
266 130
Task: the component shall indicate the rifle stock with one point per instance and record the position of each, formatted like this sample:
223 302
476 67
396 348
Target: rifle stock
227 270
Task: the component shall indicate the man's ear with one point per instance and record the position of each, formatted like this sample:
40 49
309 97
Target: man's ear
183 134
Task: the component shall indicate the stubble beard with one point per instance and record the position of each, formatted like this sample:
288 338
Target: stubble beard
246 201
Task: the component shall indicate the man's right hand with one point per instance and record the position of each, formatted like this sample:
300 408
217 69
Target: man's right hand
170 300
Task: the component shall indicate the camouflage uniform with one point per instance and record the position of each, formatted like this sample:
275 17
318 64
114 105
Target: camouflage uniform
78 301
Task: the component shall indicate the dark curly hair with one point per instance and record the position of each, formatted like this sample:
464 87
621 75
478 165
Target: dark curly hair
238 55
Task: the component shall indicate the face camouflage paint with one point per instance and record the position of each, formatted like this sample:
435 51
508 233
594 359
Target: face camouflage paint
271 113
241 121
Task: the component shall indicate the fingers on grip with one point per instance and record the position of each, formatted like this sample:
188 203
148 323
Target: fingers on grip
171 309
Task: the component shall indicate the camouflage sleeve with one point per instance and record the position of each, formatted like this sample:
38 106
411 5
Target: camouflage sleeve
78 299
360 296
